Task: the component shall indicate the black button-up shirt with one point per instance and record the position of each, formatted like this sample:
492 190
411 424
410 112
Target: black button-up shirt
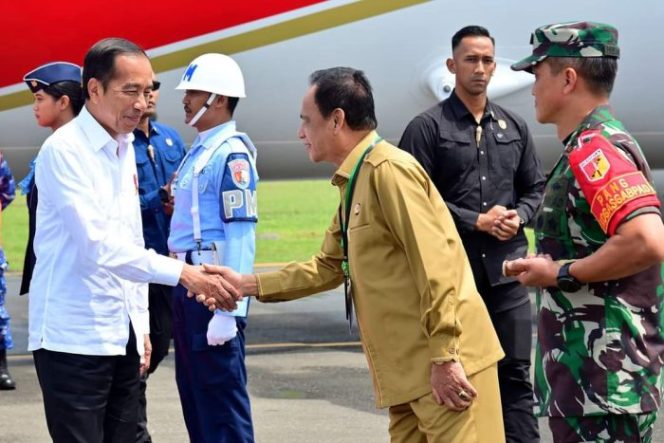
475 167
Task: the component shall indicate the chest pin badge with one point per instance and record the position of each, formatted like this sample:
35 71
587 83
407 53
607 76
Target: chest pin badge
502 123
356 209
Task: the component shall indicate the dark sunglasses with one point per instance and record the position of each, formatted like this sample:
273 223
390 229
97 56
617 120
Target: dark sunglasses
155 85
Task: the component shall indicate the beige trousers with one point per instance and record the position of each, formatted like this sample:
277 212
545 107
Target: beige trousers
424 421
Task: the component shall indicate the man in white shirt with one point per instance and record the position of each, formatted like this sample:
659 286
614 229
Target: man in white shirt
88 298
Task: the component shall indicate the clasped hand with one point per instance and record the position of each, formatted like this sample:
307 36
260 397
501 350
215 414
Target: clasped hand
499 222
215 286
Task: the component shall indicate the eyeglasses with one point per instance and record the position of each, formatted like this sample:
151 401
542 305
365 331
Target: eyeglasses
155 85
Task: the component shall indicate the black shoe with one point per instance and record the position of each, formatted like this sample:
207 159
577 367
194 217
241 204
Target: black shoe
6 381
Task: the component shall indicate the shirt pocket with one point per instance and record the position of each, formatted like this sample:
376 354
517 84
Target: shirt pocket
172 159
457 152
508 146
507 157
205 179
145 175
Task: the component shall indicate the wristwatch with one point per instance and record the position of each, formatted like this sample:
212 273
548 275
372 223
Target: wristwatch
163 195
566 281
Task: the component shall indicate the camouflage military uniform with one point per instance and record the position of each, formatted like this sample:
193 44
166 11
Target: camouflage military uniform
7 192
600 351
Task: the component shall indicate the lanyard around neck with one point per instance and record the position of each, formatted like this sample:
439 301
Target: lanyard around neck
350 188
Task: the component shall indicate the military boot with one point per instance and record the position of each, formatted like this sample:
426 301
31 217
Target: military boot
6 381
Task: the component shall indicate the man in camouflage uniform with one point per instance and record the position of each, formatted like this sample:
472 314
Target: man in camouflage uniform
7 192
600 344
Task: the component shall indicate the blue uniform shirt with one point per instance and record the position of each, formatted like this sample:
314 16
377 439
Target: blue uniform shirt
227 198
154 171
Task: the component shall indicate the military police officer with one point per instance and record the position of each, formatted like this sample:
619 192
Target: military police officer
214 221
600 341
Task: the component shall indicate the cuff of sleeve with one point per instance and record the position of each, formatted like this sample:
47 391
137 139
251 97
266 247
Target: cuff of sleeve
522 219
268 283
468 221
143 320
167 270
443 348
152 199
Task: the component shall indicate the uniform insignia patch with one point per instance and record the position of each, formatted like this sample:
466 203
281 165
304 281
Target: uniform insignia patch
240 172
595 166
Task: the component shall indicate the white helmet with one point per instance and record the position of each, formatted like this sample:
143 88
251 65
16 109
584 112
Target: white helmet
215 73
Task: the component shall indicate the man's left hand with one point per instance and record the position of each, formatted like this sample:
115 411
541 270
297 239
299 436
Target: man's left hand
145 361
539 271
450 386
506 225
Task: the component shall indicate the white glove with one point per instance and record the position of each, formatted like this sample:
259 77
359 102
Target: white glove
221 329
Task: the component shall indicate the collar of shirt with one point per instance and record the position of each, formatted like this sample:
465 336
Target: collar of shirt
346 168
94 132
123 141
98 137
152 130
460 111
595 118
208 137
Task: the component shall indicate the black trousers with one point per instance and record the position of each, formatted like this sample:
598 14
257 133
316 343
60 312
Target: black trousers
161 331
514 327
90 398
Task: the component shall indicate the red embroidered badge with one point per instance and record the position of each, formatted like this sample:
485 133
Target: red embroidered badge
612 185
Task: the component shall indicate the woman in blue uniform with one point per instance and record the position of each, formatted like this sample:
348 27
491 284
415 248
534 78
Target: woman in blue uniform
58 99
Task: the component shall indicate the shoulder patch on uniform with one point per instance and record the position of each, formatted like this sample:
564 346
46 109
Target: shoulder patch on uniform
238 190
239 169
612 185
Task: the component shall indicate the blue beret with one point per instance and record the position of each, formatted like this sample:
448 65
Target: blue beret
51 73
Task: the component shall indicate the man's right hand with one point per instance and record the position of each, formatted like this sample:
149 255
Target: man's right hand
487 220
212 286
245 284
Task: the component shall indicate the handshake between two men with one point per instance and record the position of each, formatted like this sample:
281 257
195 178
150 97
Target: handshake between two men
217 287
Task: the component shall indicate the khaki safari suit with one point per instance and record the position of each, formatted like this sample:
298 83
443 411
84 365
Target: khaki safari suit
413 288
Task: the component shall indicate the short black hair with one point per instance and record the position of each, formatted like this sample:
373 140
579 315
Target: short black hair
347 89
99 62
599 72
470 31
71 89
232 104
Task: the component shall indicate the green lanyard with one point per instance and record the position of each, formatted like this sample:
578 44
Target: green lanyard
350 188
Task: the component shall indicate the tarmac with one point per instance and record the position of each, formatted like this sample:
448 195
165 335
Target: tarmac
308 380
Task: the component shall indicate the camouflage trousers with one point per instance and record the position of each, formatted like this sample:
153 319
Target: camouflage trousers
5 332
636 428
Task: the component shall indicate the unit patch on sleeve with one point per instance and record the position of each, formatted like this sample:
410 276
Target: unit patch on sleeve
240 172
612 184
238 190
596 166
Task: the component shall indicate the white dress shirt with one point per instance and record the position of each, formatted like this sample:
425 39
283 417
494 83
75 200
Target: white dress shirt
89 244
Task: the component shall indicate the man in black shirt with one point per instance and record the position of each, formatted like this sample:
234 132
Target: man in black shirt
482 160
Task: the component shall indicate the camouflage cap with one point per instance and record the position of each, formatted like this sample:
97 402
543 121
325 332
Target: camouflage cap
574 39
